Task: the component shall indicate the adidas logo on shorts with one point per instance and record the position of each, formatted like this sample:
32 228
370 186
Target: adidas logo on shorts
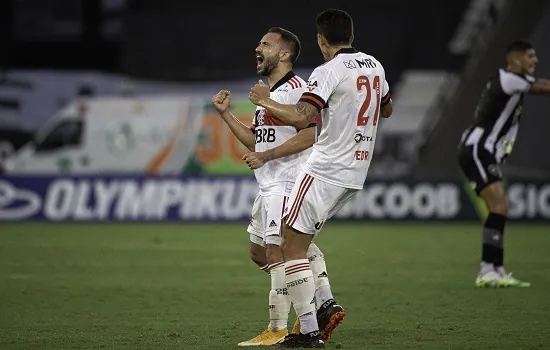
272 223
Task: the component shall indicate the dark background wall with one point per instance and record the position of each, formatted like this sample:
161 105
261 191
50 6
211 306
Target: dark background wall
197 41
438 155
529 157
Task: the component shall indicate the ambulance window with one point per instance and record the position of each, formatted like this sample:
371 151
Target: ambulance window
67 133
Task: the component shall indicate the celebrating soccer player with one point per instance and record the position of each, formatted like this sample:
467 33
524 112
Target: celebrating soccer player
486 144
351 92
279 151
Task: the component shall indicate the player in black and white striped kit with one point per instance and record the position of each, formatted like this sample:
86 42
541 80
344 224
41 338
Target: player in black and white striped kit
486 144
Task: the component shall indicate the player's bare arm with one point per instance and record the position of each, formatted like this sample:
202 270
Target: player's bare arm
386 110
303 140
299 115
221 102
541 86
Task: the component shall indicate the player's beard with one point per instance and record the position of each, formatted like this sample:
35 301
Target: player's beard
269 64
529 70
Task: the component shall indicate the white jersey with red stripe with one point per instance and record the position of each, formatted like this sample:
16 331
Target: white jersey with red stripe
277 176
349 90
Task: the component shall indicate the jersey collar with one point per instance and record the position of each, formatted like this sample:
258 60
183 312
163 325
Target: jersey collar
527 77
346 50
283 80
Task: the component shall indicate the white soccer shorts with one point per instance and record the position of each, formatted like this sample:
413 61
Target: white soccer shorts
313 201
265 220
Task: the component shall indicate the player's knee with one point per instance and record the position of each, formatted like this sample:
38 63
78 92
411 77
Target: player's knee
499 207
495 198
292 250
274 254
259 258
286 249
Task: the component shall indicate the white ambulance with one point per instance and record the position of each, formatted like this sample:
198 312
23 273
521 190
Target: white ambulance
147 135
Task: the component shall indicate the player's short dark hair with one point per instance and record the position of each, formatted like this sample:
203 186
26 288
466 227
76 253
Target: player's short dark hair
336 26
519 46
291 39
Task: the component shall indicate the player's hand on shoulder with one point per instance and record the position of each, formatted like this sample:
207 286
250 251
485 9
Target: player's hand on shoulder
259 93
221 100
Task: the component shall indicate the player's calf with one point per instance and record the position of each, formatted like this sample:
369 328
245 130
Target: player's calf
279 299
299 279
493 229
319 268
329 314
279 302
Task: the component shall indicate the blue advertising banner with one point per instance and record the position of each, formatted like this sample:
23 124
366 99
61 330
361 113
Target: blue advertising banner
230 198
126 198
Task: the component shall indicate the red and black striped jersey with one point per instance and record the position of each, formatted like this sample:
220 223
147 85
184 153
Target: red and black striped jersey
277 176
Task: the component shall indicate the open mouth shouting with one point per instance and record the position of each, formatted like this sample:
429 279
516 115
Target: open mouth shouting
259 60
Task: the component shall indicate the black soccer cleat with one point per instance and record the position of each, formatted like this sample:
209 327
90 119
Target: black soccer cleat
297 341
329 316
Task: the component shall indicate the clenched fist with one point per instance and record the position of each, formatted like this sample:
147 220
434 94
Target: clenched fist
221 100
259 93
255 160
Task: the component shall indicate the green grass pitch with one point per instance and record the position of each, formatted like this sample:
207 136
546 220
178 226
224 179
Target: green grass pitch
184 286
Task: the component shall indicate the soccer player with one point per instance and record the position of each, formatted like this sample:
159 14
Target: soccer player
278 152
351 92
485 145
